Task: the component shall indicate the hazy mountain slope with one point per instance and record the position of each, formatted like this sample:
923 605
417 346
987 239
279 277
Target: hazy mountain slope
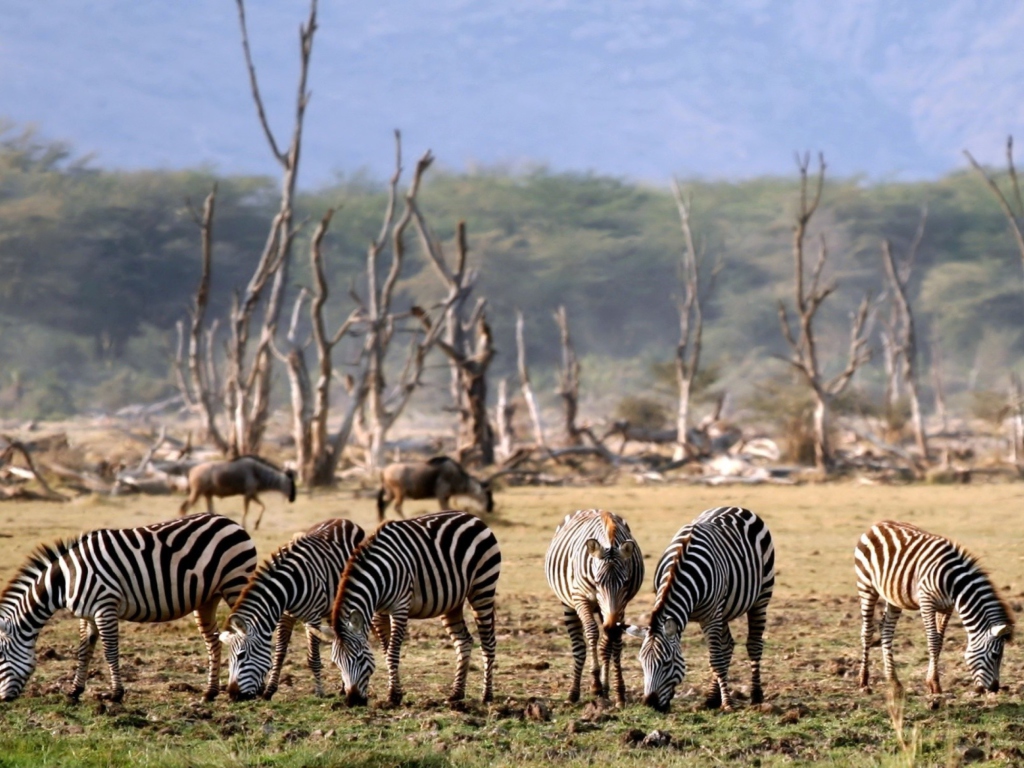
642 88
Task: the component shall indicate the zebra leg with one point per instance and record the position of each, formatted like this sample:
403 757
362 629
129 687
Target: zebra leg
88 635
381 626
313 659
484 615
206 620
399 622
106 625
592 633
611 660
889 619
941 620
579 649
720 648
868 601
455 623
934 637
757 618
282 637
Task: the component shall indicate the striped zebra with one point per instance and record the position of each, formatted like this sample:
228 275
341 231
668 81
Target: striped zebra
717 568
420 568
595 568
154 573
298 582
911 569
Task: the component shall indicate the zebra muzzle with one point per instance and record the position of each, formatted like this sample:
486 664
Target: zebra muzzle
355 699
652 701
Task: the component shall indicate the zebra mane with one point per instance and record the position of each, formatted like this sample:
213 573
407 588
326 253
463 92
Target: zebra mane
357 556
972 562
260 574
40 559
661 598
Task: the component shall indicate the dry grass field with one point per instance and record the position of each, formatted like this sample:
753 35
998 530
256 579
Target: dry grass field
814 713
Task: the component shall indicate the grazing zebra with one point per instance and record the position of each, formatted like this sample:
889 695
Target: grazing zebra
245 476
911 569
717 568
298 582
595 568
155 573
420 568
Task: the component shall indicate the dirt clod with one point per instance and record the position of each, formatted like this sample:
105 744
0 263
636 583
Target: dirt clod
633 737
657 739
538 711
973 755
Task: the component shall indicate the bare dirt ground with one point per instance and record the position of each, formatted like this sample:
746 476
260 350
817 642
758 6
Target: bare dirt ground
814 713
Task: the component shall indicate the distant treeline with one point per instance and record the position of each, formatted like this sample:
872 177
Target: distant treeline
96 266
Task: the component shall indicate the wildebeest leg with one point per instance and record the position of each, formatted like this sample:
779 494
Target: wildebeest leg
256 525
88 635
206 620
399 498
106 625
282 636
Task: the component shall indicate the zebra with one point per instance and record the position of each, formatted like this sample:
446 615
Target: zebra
298 582
595 567
912 569
420 568
717 568
150 574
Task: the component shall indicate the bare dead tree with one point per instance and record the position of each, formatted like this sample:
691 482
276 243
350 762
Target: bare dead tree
808 300
200 390
385 405
317 452
691 319
525 385
568 380
504 413
1012 205
467 340
1015 409
903 336
248 380
938 385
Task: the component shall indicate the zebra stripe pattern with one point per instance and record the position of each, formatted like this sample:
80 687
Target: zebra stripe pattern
716 569
297 583
155 573
420 568
595 568
911 569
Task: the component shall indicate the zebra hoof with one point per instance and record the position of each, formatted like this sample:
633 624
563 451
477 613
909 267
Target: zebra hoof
756 696
211 694
75 694
574 697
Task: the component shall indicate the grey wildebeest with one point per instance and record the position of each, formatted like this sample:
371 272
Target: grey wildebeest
438 478
245 476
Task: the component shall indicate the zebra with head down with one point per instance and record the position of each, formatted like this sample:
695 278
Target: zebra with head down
716 569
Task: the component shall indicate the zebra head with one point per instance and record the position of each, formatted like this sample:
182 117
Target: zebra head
17 660
350 651
984 655
661 658
610 570
248 660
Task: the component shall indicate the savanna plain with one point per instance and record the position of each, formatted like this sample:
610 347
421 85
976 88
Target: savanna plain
814 713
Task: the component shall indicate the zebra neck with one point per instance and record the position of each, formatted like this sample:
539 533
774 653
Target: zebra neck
40 601
977 602
265 601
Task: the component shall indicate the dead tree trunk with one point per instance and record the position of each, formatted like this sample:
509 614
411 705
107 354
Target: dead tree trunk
524 383
1015 408
467 343
503 418
938 384
199 389
808 299
1013 206
691 321
569 381
904 335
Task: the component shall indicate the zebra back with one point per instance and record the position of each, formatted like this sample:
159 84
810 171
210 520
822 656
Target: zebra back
723 560
442 558
593 552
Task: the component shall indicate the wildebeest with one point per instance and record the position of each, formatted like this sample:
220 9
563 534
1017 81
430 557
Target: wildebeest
244 476
438 478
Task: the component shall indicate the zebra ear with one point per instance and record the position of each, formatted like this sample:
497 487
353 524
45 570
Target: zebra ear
634 631
594 548
323 634
626 550
1001 630
671 629
356 623
226 637
236 625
